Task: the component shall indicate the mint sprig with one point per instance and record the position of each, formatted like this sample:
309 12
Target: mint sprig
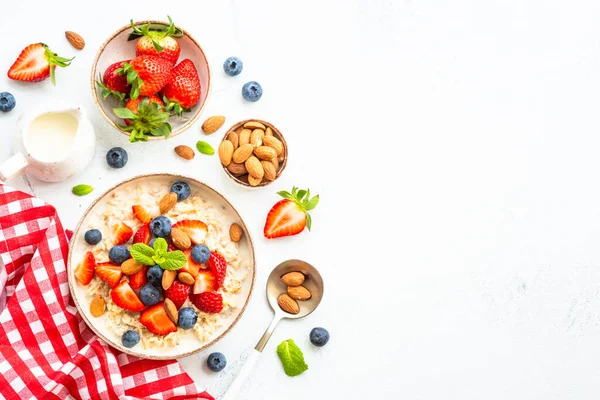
171 260
291 357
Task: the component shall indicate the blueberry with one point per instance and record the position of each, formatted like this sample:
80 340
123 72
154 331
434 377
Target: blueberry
7 101
119 254
233 66
160 226
187 318
130 339
154 275
319 337
181 189
151 244
93 236
216 362
116 157
252 91
200 253
149 295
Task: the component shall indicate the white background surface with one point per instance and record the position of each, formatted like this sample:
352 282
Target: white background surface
454 145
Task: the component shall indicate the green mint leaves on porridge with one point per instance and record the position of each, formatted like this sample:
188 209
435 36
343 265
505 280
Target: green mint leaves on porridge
169 260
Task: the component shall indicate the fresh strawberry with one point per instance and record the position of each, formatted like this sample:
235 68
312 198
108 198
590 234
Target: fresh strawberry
124 296
143 117
218 267
159 43
178 293
139 279
36 63
191 266
209 302
84 271
109 273
142 235
143 214
195 229
114 84
205 282
156 320
183 91
289 216
122 233
147 75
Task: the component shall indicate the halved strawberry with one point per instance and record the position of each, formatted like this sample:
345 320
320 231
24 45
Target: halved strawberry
191 266
178 293
122 233
205 282
84 271
36 63
143 214
139 279
142 235
109 273
289 216
124 296
218 267
209 302
156 320
195 229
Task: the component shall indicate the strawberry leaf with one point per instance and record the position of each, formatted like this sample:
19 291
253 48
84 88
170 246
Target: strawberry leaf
308 221
286 195
301 194
124 113
312 203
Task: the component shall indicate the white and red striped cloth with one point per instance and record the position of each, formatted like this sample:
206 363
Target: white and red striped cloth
46 350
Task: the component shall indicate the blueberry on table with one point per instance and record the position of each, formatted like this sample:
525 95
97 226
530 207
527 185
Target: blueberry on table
181 189
233 66
130 338
119 254
149 295
93 236
216 362
200 254
252 91
7 101
319 336
154 275
117 157
160 226
187 318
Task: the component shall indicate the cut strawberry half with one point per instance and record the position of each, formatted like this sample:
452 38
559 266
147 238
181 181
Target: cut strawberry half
195 229
178 293
205 282
191 266
36 63
156 320
209 302
290 216
139 279
84 271
144 214
124 296
109 273
142 235
122 233
218 267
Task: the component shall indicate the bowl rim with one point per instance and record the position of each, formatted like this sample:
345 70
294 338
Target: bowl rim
190 121
282 165
71 275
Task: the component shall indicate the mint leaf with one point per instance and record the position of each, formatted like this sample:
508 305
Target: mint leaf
173 260
82 190
158 259
160 247
291 357
142 253
205 148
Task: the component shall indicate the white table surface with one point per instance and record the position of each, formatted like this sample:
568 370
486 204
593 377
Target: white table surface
454 145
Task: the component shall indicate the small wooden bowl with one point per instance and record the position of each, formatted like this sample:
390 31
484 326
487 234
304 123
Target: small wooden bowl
243 180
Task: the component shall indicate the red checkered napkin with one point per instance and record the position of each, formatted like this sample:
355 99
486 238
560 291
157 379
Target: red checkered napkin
46 350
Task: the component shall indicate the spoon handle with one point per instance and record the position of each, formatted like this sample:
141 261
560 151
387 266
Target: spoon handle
241 377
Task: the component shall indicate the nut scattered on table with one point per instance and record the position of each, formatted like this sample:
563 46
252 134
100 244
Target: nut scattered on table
185 152
213 124
235 232
167 202
75 39
97 305
288 304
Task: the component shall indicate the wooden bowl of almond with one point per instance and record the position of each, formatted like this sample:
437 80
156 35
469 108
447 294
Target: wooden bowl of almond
253 153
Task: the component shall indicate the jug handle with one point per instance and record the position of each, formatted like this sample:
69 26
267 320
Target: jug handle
12 167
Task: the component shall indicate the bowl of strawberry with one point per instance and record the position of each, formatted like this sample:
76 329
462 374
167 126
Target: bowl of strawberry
150 80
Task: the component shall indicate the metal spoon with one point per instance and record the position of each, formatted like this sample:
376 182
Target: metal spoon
275 287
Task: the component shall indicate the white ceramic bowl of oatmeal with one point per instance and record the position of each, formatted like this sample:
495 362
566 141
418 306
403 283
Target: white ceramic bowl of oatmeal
204 204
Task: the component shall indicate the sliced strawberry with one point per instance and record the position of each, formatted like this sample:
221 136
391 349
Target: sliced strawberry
218 267
143 214
139 279
209 302
191 266
142 235
84 271
178 293
205 282
109 273
36 63
156 320
289 216
195 229
122 233
124 296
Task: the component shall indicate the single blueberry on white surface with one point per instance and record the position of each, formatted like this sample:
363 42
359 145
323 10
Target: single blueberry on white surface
233 66
252 91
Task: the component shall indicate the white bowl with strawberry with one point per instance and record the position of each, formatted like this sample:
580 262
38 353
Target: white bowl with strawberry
154 270
150 80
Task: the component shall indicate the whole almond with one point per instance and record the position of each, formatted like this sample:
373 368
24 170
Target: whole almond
237 169
298 292
265 153
256 137
171 310
288 304
293 278
212 124
130 267
234 139
270 171
226 152
245 136
254 125
254 181
180 239
275 163
75 39
269 131
254 167
242 153
168 278
274 143
185 152
235 232
97 305
186 277
167 202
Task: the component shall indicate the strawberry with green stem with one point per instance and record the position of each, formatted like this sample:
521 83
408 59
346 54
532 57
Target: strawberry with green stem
150 119
157 41
113 84
36 63
290 216
146 74
183 91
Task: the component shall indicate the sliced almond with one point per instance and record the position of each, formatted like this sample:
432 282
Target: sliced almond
167 202
293 278
226 152
235 232
234 139
245 136
168 278
254 125
298 292
180 239
270 171
130 267
185 152
97 305
288 304
242 153
171 310
186 277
